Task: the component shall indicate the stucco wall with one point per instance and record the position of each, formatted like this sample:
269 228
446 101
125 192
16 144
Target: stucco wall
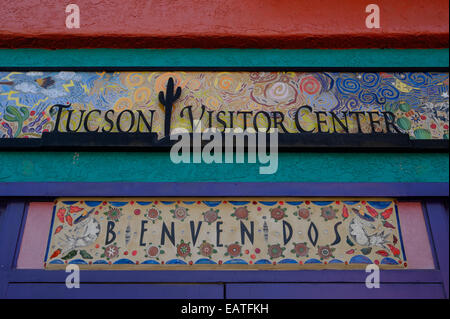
233 23
157 167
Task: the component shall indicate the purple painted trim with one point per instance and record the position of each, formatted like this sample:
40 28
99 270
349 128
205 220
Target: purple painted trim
430 234
9 233
439 222
55 189
19 241
10 226
3 271
217 276
107 291
331 290
410 282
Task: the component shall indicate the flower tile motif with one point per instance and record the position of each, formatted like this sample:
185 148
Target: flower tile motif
234 250
275 251
241 213
153 214
300 249
183 249
278 213
206 249
303 213
211 216
180 212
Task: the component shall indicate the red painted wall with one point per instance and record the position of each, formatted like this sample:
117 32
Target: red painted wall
232 23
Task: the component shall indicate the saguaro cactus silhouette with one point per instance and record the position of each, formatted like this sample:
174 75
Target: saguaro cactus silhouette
168 101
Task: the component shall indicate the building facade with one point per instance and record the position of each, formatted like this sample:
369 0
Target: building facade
360 175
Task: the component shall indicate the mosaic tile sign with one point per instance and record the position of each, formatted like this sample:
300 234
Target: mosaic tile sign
232 233
32 103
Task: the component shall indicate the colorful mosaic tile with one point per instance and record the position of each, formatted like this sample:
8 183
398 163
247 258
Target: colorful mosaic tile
419 100
225 233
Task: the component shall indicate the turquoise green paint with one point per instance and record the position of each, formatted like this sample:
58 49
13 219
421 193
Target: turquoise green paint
224 58
157 167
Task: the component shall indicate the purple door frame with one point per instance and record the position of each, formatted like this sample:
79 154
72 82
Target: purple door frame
17 283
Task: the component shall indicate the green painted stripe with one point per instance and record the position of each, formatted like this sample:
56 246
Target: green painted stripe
157 167
224 58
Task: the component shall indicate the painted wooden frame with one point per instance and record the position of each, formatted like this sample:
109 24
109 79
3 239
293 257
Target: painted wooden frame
230 284
90 189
